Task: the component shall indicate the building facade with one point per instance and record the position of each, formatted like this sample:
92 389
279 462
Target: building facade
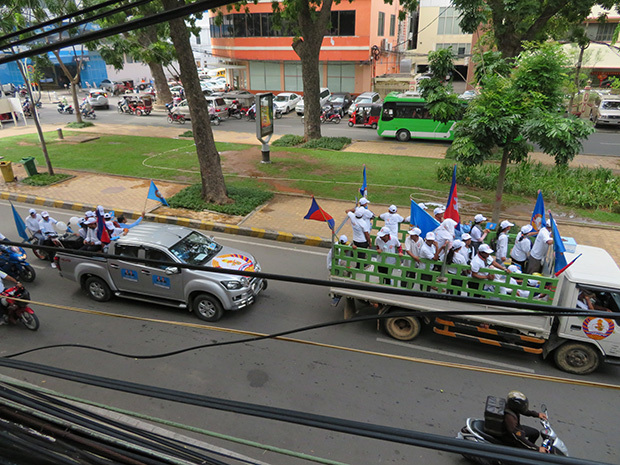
260 57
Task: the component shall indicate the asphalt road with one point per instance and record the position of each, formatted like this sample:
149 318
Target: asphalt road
605 141
368 386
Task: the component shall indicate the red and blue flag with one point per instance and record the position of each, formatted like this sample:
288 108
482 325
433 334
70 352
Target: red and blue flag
452 207
102 231
318 214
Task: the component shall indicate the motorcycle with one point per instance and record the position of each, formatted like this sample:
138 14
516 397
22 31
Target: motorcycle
173 115
17 310
65 240
474 431
126 105
234 111
13 261
64 109
87 112
329 115
250 114
27 109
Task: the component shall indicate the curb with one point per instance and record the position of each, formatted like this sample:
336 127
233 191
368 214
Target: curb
204 225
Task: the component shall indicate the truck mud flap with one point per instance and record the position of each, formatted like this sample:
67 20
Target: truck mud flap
470 332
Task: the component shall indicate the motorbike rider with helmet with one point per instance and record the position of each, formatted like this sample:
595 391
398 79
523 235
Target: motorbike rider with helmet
519 435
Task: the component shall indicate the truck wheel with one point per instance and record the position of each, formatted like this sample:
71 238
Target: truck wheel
98 289
577 358
403 328
207 308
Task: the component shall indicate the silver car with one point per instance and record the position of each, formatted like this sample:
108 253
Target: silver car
98 98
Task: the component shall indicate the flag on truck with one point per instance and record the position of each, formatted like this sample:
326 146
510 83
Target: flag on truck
318 214
102 231
538 215
364 188
19 224
420 218
558 247
452 207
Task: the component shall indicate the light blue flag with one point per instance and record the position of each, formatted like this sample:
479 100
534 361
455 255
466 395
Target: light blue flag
421 219
558 247
19 224
538 215
154 194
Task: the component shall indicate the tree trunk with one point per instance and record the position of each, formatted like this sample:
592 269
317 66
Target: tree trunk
161 85
497 206
73 80
213 185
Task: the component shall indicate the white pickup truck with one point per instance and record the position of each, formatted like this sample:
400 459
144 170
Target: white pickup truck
578 344
130 275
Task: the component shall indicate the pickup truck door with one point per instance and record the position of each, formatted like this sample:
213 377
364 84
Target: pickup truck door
126 274
160 283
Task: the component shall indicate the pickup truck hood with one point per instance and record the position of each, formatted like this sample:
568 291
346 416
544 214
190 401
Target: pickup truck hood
234 259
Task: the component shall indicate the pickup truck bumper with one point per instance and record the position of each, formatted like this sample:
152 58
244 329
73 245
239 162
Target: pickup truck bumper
247 298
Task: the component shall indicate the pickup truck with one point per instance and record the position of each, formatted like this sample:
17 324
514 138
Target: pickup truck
207 294
578 344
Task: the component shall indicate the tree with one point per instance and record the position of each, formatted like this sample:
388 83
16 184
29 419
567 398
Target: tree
515 109
213 185
512 23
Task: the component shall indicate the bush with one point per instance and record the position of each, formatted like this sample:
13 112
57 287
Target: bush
329 143
573 187
44 179
189 133
288 140
83 124
245 200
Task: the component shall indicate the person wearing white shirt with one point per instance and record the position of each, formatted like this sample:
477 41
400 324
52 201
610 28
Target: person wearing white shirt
454 257
467 249
361 231
521 250
368 214
3 317
444 235
47 224
91 242
478 235
342 240
428 251
539 249
32 224
386 242
392 219
502 240
413 242
483 259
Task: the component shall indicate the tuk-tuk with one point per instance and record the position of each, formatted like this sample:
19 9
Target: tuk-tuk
144 105
366 115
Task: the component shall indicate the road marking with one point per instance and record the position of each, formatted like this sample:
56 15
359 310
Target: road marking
452 354
278 247
609 143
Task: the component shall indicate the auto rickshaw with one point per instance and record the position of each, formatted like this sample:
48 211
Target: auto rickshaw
366 115
144 106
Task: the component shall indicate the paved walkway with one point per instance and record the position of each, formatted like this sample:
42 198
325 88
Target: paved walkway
280 219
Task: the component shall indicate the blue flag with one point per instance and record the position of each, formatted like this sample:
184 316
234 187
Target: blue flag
538 215
422 220
364 188
154 194
558 247
19 224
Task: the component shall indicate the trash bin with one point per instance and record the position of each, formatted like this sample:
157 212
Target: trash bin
29 166
7 171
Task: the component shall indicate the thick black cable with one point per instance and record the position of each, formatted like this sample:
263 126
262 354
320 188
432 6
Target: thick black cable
74 24
179 12
391 434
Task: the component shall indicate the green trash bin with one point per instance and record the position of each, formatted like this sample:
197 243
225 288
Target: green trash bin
7 171
29 166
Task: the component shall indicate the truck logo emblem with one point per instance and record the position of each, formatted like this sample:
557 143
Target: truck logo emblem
598 328
234 261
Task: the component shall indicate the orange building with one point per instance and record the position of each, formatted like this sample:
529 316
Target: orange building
260 58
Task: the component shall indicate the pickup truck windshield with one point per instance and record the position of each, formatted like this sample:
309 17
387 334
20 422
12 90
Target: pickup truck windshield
195 249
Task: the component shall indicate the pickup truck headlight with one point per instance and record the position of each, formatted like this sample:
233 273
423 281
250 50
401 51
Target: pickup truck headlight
235 284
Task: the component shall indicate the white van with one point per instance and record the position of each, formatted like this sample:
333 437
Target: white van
324 95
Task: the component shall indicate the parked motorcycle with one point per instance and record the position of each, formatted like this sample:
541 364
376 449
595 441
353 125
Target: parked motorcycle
64 109
17 310
173 115
13 261
474 431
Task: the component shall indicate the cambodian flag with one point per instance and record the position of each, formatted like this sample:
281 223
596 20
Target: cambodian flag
452 208
102 231
538 215
364 188
558 247
422 219
318 214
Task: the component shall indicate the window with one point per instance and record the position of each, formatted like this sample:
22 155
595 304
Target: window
265 76
605 31
239 25
343 23
408 110
197 39
130 251
340 77
293 77
392 25
458 50
448 21
153 254
381 30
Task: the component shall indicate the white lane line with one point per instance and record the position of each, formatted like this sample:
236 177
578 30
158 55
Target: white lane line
609 143
452 354
278 247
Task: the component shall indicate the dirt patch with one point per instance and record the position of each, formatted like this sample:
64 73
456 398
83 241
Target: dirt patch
26 144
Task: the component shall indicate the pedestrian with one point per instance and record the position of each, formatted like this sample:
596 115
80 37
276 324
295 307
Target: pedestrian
502 240
478 234
361 232
521 250
368 214
413 242
539 249
428 251
32 225
483 259
387 242
392 219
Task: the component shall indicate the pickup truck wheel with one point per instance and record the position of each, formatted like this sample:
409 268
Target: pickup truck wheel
208 308
577 358
98 289
403 328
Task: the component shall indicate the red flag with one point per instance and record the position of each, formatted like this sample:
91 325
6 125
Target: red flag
452 208
318 214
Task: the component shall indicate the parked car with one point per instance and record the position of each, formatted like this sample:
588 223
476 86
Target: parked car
221 109
364 99
323 96
286 101
340 101
98 98
607 112
176 91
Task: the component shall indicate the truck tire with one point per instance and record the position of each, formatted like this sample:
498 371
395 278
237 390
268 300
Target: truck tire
207 308
403 328
577 358
98 289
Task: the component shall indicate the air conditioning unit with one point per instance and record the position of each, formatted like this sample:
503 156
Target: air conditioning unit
388 46
384 44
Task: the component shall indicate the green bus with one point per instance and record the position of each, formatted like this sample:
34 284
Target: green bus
405 116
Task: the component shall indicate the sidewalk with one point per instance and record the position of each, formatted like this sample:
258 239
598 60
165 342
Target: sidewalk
280 219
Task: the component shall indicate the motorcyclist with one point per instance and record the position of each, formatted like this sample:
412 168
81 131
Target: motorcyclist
519 435
252 111
4 319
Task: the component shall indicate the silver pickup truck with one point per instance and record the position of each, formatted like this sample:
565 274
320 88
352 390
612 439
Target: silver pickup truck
206 293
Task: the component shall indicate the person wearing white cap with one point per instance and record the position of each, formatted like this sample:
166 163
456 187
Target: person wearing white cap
47 225
368 214
342 240
91 241
392 219
438 212
478 235
467 250
454 257
483 259
387 242
521 250
539 249
515 270
361 231
428 251
413 242
32 225
502 240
